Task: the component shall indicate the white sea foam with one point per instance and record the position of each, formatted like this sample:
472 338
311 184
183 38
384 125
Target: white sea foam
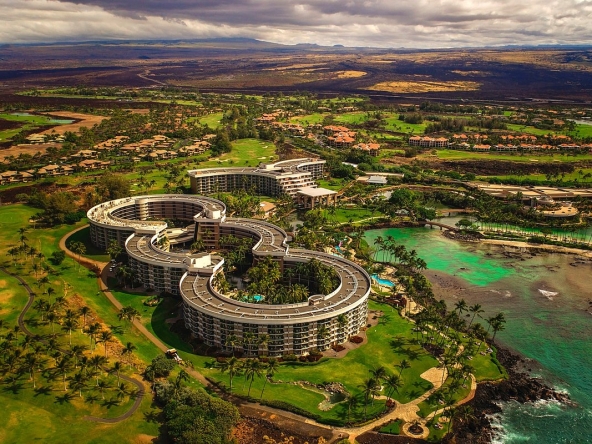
548 294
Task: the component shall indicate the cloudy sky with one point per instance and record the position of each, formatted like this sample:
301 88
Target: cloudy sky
379 23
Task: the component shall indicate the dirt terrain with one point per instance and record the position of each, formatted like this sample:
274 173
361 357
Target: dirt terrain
31 149
248 65
81 120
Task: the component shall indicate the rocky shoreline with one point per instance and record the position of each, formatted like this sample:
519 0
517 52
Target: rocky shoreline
519 387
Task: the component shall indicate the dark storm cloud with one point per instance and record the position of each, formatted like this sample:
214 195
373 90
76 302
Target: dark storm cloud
390 23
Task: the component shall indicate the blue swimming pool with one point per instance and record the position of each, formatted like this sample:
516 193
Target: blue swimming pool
381 281
254 298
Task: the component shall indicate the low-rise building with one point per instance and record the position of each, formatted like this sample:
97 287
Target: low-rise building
15 177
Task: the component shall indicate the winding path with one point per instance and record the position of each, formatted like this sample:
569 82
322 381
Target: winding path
21 323
102 281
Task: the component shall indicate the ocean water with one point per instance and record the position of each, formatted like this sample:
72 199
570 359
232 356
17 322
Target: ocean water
545 300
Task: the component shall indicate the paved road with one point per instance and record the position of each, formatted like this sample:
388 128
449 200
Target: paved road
139 386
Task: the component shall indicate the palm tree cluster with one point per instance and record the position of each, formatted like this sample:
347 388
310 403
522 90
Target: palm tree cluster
242 202
129 314
267 280
380 379
250 369
77 248
397 253
236 251
23 252
125 274
47 357
250 342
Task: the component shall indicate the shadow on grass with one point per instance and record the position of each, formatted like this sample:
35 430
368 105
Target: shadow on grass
91 399
110 403
162 330
66 398
91 251
43 390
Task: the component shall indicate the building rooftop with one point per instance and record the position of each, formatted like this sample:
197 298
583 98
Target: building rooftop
315 192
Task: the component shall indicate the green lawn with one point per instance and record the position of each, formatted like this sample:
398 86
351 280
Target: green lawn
343 215
515 157
245 152
91 251
50 417
333 184
355 118
569 177
393 428
394 124
309 119
212 120
46 415
582 130
531 130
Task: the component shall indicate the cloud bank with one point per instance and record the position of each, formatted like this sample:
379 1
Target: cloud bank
378 23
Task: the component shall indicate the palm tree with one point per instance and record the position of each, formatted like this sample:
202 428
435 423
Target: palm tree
105 336
52 318
78 382
342 322
93 330
497 324
42 306
129 314
393 382
369 389
263 340
475 309
32 362
461 306
128 351
77 353
68 325
117 367
322 333
77 248
121 391
182 376
378 373
252 368
63 367
352 403
232 341
271 368
16 330
102 385
96 362
232 366
84 312
403 365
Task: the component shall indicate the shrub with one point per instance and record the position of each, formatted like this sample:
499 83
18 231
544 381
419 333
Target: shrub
161 366
57 257
356 339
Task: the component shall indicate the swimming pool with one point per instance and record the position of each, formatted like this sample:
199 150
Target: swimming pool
256 298
384 282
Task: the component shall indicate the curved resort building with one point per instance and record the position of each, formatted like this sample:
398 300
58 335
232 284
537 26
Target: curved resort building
160 263
273 179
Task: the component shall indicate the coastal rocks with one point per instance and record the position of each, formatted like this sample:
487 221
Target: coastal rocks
519 387
463 236
335 387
